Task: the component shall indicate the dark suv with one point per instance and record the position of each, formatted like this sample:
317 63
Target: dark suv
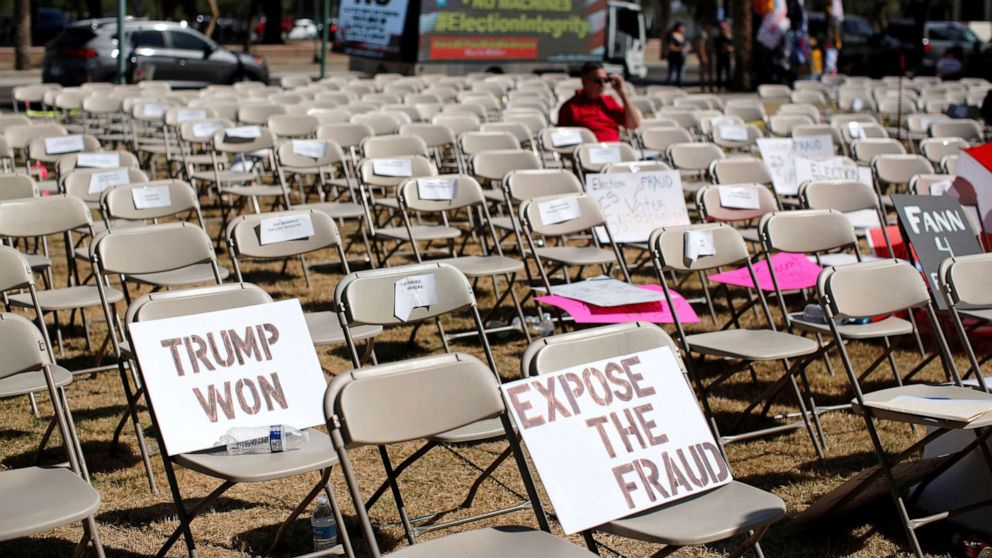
160 50
938 37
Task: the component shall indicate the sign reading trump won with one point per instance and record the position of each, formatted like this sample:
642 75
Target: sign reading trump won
615 437
250 366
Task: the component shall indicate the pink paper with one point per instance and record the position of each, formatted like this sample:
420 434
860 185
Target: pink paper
793 271
654 312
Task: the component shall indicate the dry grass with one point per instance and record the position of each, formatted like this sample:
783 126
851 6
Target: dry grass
133 522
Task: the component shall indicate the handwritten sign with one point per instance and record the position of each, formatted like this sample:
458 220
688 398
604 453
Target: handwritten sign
654 312
310 148
793 271
63 144
282 229
206 373
417 291
392 167
781 154
558 211
814 146
605 292
151 197
100 181
834 168
614 437
635 204
564 137
98 160
437 188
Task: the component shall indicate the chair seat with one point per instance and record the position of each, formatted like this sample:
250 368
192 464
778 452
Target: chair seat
502 223
67 298
577 255
888 327
932 392
484 266
225 176
984 315
751 344
33 382
494 195
189 275
38 499
420 232
38 262
477 431
325 329
336 210
732 509
495 542
198 159
47 187
316 454
258 190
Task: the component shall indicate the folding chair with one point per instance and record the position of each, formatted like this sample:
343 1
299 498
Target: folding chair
384 207
732 510
962 280
935 149
37 153
885 287
967 129
413 391
315 456
37 499
725 139
593 157
741 170
369 298
472 143
561 141
740 348
660 138
694 159
711 207
781 125
244 240
255 189
866 149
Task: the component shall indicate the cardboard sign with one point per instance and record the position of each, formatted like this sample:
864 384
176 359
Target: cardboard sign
417 291
314 149
205 129
937 228
564 137
98 160
614 437
739 197
654 312
733 133
559 211
605 292
207 373
63 144
151 197
392 167
100 181
604 154
793 271
188 115
440 189
281 229
636 204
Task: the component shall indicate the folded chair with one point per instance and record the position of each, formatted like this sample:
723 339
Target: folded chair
316 456
963 281
733 510
884 287
738 347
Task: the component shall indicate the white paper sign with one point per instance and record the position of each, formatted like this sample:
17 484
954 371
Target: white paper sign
416 291
637 203
559 211
392 167
604 154
940 188
733 133
855 130
281 229
204 129
310 148
698 244
98 160
63 144
100 181
814 146
857 105
244 132
564 137
720 121
188 115
154 110
437 188
151 197
738 197
778 153
863 218
606 292
210 372
615 437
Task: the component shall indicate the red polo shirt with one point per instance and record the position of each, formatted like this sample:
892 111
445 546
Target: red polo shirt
602 116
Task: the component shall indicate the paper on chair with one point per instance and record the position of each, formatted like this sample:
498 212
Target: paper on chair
565 137
416 291
151 197
63 144
965 410
100 181
863 218
738 197
437 188
559 211
940 188
392 167
154 110
606 292
310 148
604 154
734 133
699 243
244 132
98 160
855 130
280 229
187 115
203 129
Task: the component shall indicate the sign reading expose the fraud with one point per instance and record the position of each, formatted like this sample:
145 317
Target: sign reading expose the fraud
635 204
615 437
207 373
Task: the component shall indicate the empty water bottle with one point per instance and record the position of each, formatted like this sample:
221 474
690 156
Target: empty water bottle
263 439
325 528
547 326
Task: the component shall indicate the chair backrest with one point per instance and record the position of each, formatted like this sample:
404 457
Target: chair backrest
89 184
555 134
244 234
226 142
935 149
15 270
737 170
121 202
659 139
309 154
806 231
900 169
694 157
43 216
295 126
369 297
840 195
712 208
969 130
725 136
16 186
471 143
202 131
521 132
152 249
965 280
419 166
590 156
871 288
38 148
922 185
393 146
347 135
526 184
467 192
668 247
23 346
590 214
635 166
259 114
494 165
864 150
434 135
97 159
381 123
782 124
19 136
458 123
170 304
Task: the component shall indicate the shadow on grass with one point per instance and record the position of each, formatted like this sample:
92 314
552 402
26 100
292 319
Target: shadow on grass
299 538
98 458
145 516
47 547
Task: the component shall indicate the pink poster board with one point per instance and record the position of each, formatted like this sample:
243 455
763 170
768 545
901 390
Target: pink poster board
793 271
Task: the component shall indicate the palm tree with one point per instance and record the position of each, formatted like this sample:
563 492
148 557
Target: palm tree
22 34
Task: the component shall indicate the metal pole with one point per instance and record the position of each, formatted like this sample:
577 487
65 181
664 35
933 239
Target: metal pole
325 33
122 52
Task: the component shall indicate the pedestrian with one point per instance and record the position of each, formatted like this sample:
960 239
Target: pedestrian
704 50
949 67
832 43
723 48
677 47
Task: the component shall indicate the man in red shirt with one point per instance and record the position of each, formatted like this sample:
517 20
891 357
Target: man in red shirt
600 113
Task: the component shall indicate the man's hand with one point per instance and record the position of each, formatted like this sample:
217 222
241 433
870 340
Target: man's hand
616 80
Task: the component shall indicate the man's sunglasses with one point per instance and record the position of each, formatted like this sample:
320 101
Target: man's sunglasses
601 81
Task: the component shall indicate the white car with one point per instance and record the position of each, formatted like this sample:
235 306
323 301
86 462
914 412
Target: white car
303 29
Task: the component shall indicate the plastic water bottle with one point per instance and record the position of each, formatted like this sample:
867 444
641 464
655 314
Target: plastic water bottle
263 439
547 326
325 528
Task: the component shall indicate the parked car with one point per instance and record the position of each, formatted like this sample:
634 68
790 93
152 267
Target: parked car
856 35
160 50
938 37
303 29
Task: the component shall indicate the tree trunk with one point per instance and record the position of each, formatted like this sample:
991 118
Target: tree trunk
273 22
741 13
662 19
22 34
